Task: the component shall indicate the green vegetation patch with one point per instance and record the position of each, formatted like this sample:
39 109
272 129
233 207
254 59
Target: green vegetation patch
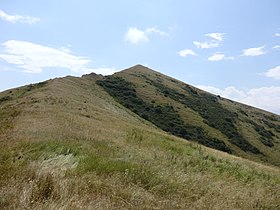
271 125
266 136
14 160
214 114
36 86
5 98
163 116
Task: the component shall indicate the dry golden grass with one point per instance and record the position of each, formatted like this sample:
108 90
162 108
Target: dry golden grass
73 147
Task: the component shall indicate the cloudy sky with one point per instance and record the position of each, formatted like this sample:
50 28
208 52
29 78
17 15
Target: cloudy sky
230 48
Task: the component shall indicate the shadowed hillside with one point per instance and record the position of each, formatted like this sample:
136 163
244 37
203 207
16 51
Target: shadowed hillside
115 143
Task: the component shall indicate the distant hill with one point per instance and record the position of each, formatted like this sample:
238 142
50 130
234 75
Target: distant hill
134 140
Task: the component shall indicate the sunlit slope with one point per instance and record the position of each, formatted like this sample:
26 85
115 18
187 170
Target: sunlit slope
70 105
193 114
67 144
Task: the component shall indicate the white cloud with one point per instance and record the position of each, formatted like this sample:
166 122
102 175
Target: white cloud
210 89
273 73
217 36
228 92
219 57
186 52
276 47
215 40
155 31
277 34
254 51
135 35
206 45
18 18
267 98
216 57
33 58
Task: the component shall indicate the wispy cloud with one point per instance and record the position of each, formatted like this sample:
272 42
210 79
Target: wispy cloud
277 34
215 40
217 36
276 47
267 98
206 45
273 73
219 57
186 52
18 18
216 57
33 58
136 36
155 30
256 51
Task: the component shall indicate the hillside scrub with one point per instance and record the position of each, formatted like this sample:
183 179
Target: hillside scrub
163 116
211 110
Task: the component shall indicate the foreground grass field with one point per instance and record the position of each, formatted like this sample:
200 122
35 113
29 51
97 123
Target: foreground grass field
66 144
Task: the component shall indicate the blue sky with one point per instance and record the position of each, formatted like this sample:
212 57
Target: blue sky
230 48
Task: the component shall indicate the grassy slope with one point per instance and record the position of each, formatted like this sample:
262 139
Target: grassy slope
260 130
66 144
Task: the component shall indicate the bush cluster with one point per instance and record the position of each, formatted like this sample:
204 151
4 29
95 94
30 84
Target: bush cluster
163 116
214 114
37 85
5 98
266 136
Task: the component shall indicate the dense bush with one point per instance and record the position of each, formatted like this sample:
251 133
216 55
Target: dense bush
163 116
211 110
266 136
5 98
37 85
271 125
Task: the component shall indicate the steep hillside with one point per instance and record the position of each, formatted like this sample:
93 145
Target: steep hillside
67 144
190 113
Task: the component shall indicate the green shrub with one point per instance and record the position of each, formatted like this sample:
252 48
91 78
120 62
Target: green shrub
214 114
266 136
37 85
163 116
5 98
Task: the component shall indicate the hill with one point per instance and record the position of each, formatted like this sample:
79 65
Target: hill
67 143
193 114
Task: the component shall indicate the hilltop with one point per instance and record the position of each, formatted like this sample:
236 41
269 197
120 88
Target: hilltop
134 140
